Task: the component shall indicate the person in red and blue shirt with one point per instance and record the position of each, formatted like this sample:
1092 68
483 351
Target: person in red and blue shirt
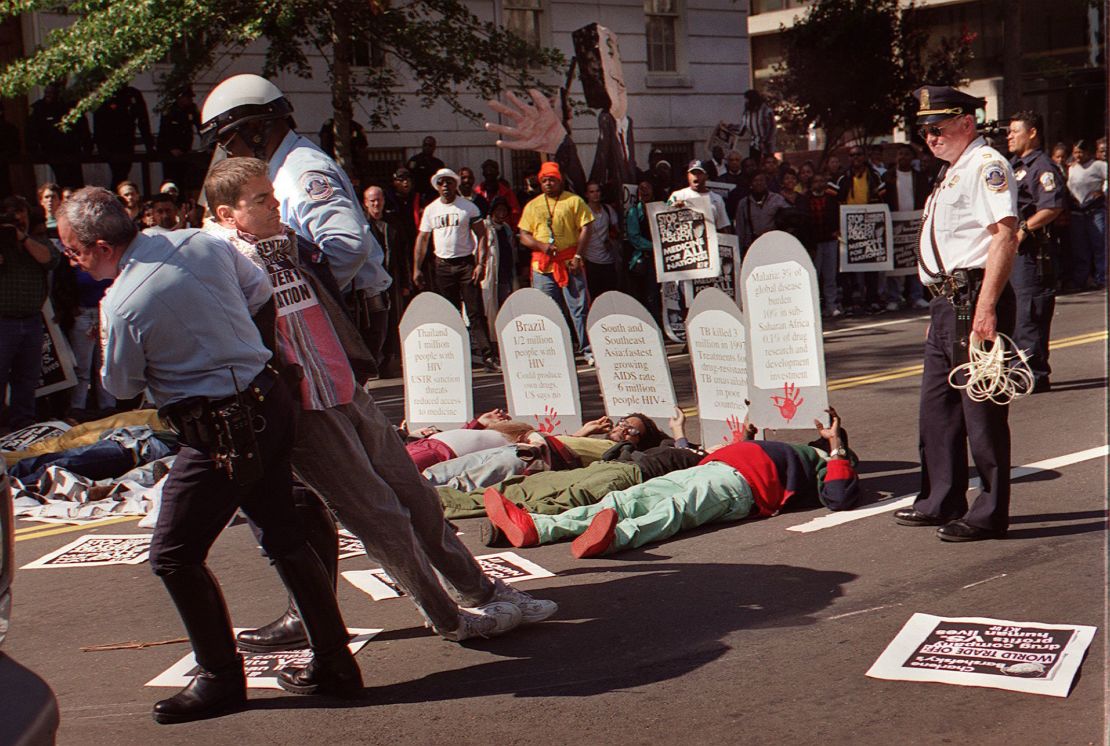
744 479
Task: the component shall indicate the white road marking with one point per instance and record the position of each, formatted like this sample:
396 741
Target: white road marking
905 501
980 582
861 611
875 325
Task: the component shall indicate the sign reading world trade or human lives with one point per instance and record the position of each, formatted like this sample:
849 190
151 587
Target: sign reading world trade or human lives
632 367
435 358
537 362
786 354
717 338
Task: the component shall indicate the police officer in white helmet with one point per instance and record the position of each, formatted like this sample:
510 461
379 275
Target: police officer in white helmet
247 115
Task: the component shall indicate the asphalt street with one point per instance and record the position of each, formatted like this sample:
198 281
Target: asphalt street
755 632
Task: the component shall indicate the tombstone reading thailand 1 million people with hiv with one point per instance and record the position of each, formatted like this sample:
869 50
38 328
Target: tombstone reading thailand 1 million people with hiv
537 362
717 338
435 357
786 355
632 365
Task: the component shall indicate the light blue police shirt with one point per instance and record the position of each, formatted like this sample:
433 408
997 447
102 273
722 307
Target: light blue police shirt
319 203
177 319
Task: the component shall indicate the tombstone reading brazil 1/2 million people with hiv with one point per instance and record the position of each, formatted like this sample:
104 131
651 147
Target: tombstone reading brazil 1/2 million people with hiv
537 362
435 356
786 354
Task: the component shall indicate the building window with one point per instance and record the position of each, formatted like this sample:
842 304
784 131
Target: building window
524 18
524 163
663 25
365 53
381 163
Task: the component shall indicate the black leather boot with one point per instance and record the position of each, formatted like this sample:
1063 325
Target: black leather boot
333 670
287 632
221 686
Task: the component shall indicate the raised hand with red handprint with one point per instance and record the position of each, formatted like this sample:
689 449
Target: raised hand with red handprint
789 402
739 431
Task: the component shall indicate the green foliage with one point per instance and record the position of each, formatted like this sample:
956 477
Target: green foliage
850 66
437 47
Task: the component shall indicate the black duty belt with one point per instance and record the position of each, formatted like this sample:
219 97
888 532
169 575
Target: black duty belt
468 259
959 282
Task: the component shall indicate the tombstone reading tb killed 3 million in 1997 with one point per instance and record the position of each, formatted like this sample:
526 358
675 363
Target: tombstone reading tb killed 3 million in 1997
786 355
537 362
717 337
435 357
632 365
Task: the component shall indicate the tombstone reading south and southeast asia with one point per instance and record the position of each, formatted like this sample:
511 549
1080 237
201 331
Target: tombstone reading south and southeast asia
865 244
786 355
905 229
717 337
435 357
537 362
632 365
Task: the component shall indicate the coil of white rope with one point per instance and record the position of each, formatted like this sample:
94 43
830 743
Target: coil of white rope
998 373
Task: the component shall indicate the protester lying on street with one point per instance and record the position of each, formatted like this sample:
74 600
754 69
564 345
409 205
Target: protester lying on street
345 449
114 453
730 484
484 468
623 464
449 444
636 428
79 435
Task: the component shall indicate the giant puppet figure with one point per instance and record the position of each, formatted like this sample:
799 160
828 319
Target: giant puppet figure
544 125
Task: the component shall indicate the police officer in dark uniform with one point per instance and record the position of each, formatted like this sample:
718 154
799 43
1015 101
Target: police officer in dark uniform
1041 199
965 255
177 322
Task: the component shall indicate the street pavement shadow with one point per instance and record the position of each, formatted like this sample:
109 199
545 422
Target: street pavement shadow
1060 529
1079 384
652 623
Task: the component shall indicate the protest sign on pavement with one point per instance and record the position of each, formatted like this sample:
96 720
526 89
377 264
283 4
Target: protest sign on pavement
537 362
717 336
904 234
632 367
685 240
261 668
786 354
97 550
507 566
435 357
976 651
865 238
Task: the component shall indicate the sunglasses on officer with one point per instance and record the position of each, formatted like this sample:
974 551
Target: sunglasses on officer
934 130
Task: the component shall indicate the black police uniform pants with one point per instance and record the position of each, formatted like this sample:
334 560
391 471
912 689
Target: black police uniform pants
198 499
950 421
453 282
1036 302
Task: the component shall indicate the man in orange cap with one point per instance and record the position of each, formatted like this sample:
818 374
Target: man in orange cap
554 226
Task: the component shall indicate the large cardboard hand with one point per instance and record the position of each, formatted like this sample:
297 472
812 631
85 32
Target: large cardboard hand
535 126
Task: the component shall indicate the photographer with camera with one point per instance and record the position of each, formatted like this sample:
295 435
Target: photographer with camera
24 267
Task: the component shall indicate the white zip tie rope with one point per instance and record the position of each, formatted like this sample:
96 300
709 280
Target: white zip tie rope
998 373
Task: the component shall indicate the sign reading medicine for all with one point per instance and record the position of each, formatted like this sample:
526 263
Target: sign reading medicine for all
685 240
865 244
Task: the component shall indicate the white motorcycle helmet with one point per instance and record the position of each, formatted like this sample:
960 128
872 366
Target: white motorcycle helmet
239 101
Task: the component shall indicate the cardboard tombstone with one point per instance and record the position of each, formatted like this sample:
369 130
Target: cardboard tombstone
904 235
786 353
537 362
632 367
718 338
865 244
685 240
435 358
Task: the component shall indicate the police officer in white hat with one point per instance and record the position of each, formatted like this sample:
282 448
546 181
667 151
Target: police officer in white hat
247 115
966 252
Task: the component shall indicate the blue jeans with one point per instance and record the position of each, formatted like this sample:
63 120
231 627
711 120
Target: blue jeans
21 366
572 299
1088 246
86 354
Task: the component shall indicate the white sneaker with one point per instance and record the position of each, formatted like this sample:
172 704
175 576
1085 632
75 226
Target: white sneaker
532 610
489 620
921 304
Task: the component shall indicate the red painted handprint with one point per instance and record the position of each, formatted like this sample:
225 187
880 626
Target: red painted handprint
549 422
789 402
735 430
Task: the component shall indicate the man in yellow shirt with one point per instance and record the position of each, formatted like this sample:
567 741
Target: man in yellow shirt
861 185
555 226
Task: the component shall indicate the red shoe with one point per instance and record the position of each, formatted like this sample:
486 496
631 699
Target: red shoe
515 524
597 537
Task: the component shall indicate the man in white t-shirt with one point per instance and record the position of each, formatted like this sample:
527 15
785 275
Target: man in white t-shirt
461 247
698 178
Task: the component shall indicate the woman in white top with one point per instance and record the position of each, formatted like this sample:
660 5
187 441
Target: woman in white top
1087 184
600 255
449 444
